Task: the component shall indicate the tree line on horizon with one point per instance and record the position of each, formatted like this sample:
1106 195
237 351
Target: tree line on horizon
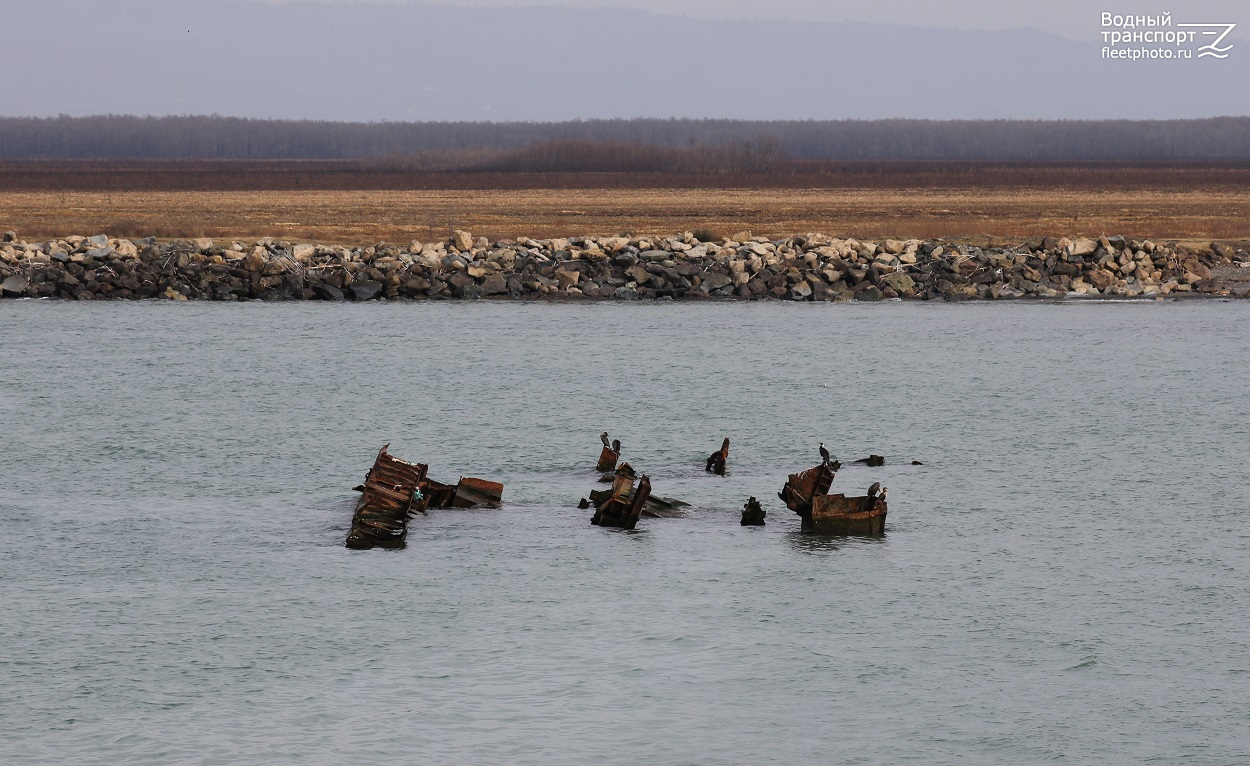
619 145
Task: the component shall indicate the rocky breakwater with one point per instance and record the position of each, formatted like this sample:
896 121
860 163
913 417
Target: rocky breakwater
810 267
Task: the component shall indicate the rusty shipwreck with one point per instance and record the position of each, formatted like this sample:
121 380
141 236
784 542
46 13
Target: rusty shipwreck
395 490
621 506
807 494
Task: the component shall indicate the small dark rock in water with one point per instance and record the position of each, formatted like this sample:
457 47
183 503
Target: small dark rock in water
872 460
752 514
584 504
916 462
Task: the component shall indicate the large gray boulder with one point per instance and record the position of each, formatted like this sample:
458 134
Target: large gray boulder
900 282
495 284
15 285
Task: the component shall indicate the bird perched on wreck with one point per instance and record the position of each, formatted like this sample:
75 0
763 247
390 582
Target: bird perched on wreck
616 446
824 454
877 492
603 437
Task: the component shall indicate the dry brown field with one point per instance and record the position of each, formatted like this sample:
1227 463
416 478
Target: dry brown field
349 203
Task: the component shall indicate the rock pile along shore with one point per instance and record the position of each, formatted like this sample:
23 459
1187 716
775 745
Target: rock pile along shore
811 267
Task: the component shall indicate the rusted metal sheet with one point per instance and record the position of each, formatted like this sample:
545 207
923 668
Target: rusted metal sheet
607 460
842 515
716 461
471 492
390 492
802 487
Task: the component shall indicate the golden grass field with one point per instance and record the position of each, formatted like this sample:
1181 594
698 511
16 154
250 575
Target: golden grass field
350 202
399 216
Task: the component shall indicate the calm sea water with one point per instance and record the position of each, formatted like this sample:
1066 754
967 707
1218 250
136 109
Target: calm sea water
1065 579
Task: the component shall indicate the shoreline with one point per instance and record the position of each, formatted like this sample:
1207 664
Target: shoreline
806 267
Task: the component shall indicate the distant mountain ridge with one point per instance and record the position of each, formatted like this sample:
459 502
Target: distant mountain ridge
366 62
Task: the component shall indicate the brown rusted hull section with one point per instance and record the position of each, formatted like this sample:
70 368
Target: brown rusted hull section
388 496
468 493
607 460
842 515
472 492
802 488
622 505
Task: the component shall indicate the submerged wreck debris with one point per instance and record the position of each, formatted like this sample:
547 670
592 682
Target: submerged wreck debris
622 505
807 494
752 514
610 454
467 493
653 505
391 491
663 507
716 460
872 461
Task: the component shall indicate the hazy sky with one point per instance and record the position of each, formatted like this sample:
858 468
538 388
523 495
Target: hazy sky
1077 19
462 61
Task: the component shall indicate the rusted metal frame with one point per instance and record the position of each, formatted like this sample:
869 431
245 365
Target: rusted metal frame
802 487
641 494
